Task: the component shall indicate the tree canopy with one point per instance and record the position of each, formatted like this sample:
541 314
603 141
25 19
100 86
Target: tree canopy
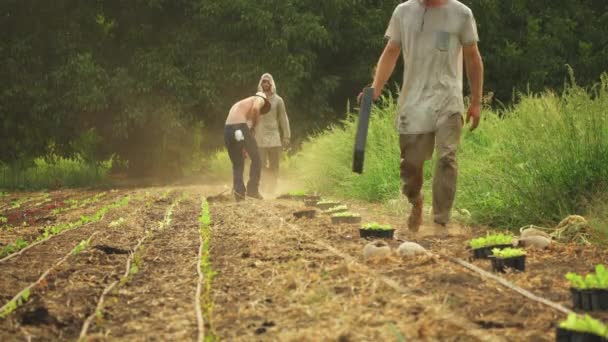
152 80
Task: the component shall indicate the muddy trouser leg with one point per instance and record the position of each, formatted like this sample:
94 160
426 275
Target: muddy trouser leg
263 152
415 149
255 168
274 157
447 139
236 157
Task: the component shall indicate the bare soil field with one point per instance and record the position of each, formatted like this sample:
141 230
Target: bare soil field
124 266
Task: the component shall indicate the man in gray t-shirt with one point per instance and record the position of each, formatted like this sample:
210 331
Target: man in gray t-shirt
434 36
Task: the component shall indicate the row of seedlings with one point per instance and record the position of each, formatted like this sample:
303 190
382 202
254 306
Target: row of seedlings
131 268
203 302
23 296
21 245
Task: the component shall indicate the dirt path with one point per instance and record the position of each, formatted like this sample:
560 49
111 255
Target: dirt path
307 280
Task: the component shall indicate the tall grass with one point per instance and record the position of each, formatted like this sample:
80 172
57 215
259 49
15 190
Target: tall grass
542 159
53 172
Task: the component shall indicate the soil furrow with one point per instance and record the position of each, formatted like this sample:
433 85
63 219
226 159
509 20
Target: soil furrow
57 309
274 284
31 232
163 288
27 266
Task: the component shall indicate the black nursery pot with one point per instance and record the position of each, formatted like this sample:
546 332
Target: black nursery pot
305 213
501 264
345 219
590 299
485 252
376 233
563 335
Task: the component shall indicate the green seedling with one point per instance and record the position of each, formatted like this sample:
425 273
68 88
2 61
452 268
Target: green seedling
59 228
205 262
336 209
76 204
14 247
346 214
491 240
597 280
323 202
297 193
584 324
12 305
377 226
508 252
3 220
81 246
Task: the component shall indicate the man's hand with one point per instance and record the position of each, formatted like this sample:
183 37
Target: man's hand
377 93
473 115
285 142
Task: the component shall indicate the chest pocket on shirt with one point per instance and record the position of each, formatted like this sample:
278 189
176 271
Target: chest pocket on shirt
443 40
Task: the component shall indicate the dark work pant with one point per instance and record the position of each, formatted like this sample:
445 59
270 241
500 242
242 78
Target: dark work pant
270 157
235 152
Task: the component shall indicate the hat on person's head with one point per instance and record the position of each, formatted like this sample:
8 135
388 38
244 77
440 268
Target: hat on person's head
266 108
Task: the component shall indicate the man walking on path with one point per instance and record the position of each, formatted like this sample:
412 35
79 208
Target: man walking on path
272 133
434 36
242 119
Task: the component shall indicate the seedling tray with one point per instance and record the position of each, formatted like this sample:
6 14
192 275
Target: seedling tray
590 299
308 213
501 264
300 197
345 219
563 335
328 205
376 233
486 252
336 211
310 202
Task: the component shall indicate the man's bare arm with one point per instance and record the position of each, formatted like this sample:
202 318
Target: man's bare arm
386 66
474 67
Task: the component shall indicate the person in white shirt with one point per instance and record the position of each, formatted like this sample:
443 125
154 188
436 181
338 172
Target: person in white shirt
435 37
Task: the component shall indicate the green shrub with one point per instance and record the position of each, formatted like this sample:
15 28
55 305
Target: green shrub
53 172
535 163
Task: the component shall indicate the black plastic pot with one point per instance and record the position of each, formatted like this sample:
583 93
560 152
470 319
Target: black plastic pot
308 213
328 205
485 252
563 335
501 264
345 219
376 233
590 299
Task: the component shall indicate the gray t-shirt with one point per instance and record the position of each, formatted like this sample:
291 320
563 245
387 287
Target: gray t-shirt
431 40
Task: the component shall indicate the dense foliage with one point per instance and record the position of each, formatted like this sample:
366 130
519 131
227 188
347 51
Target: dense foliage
150 81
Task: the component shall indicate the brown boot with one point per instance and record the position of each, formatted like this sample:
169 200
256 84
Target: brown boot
415 219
